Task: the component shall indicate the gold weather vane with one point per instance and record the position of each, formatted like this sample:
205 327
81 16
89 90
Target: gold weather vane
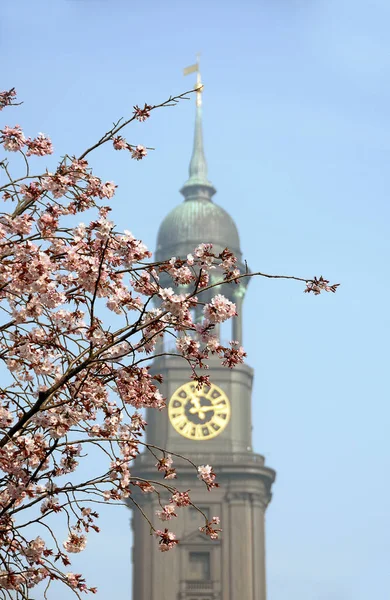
199 85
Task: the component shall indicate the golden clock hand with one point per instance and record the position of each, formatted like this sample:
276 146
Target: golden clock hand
200 411
197 408
195 400
218 407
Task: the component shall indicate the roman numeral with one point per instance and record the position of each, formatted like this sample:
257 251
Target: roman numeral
179 420
198 432
187 429
205 430
218 421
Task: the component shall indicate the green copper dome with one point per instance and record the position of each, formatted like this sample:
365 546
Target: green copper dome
198 219
193 222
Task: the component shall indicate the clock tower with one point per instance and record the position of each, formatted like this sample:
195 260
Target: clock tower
209 426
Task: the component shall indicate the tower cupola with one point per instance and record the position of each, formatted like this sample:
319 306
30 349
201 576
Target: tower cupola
198 219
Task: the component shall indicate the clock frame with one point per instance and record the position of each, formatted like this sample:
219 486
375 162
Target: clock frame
199 414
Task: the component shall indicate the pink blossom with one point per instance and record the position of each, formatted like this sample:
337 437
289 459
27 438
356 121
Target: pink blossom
213 344
75 543
228 264
50 504
31 192
167 539
6 418
181 499
165 462
139 152
138 424
210 530
119 143
206 474
203 250
6 98
72 579
316 286
40 146
187 346
219 309
13 138
177 304
204 329
34 550
57 183
234 355
136 388
145 486
18 225
167 512
180 272
141 114
203 254
48 220
77 582
107 190
165 465
204 471
10 580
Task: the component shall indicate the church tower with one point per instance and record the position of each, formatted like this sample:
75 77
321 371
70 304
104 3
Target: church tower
212 427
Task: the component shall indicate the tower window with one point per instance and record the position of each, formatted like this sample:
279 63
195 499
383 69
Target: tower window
199 566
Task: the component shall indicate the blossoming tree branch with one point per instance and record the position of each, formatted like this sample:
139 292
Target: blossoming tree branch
72 380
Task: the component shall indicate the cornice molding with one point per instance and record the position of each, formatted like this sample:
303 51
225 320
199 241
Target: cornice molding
252 498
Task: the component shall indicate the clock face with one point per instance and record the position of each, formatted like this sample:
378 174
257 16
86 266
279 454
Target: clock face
199 414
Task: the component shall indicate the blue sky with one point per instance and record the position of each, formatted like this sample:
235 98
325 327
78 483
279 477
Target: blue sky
296 112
